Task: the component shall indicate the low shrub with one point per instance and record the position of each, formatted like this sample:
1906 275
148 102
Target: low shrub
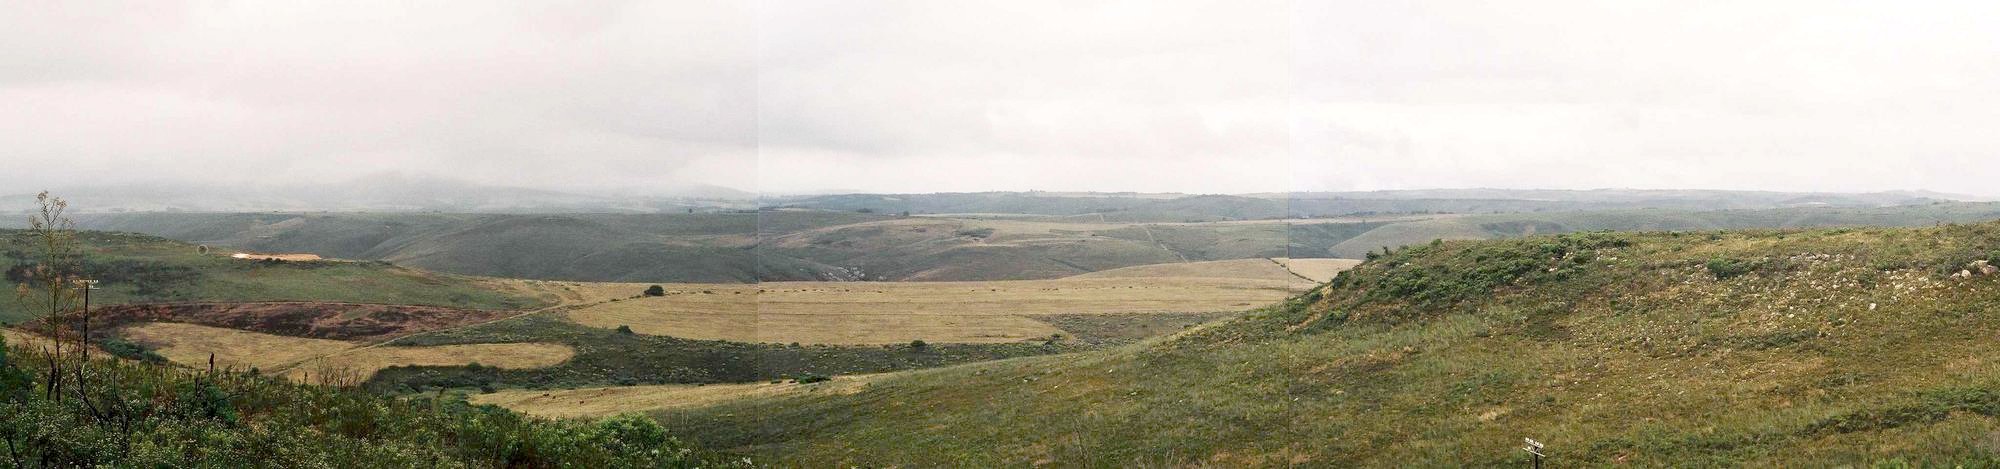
810 378
1725 268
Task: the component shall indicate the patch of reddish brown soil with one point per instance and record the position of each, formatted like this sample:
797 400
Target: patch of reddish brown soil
339 321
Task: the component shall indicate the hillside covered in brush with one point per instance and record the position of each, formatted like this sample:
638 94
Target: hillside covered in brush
1762 348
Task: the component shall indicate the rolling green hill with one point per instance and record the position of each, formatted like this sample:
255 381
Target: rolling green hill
140 268
1767 348
698 247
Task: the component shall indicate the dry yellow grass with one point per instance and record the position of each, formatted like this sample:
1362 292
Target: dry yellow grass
861 313
1314 271
1256 269
606 401
190 345
561 293
21 338
369 360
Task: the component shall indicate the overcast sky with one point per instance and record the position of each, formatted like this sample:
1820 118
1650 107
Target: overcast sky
1779 95
785 96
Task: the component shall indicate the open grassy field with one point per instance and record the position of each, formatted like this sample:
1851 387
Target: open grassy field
868 313
1821 348
191 345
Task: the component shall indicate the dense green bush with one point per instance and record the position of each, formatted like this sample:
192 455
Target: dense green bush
1725 268
122 348
810 378
1443 274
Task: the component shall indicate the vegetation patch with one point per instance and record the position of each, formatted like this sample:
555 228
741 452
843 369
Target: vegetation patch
1929 406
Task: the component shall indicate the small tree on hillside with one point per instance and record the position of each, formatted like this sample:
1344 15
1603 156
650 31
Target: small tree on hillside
55 278
656 290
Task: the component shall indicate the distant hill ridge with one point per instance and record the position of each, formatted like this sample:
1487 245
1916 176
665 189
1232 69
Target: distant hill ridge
1213 207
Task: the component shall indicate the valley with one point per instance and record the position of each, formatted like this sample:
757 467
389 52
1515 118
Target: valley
1085 339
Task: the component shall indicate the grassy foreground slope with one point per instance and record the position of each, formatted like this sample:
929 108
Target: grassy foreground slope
138 268
128 414
1761 348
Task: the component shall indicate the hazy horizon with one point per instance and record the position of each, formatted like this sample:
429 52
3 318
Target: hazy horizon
799 97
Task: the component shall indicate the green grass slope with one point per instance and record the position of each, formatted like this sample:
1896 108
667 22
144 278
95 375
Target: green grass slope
139 268
1760 348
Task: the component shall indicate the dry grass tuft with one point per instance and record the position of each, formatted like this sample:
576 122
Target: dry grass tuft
871 313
